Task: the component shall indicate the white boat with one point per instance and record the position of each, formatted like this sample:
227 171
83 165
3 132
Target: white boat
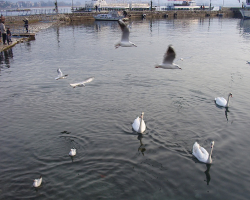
245 12
111 16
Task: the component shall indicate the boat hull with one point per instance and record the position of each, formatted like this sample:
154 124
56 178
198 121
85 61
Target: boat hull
245 13
111 16
107 19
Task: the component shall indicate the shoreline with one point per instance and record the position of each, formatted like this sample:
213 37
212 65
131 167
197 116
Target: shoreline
34 27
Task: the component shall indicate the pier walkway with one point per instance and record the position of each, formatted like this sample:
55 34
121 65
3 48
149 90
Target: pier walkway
13 43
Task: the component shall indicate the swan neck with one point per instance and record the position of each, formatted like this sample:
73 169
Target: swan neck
140 127
209 160
228 101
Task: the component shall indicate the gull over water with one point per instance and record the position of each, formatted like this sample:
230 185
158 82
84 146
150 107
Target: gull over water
168 59
60 74
82 84
125 36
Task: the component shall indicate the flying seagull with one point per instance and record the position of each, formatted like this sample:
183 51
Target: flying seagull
82 84
60 75
125 36
168 59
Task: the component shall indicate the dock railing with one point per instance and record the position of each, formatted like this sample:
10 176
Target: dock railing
41 11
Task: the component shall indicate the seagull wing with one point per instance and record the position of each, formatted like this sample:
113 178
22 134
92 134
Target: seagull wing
77 84
169 55
82 83
88 80
125 31
60 74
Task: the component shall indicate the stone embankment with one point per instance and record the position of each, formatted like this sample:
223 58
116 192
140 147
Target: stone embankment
225 12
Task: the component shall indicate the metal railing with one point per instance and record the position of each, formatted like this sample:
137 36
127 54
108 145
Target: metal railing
38 11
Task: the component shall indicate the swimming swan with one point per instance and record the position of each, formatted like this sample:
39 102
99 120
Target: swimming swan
201 154
139 125
72 152
223 102
37 182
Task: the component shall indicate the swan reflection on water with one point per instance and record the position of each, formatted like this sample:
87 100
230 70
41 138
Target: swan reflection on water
208 177
226 111
141 148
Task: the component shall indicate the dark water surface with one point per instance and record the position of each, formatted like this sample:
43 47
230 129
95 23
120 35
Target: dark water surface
41 118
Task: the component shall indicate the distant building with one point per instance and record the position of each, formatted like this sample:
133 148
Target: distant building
93 3
102 4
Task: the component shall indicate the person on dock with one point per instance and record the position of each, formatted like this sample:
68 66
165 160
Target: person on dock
8 36
3 31
2 18
26 24
125 13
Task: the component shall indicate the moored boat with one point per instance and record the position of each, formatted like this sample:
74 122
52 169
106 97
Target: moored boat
111 16
245 11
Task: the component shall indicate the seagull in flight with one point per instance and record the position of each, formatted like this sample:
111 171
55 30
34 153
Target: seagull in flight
125 36
168 59
60 75
82 84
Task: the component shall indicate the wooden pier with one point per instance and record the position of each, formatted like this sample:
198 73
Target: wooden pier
29 35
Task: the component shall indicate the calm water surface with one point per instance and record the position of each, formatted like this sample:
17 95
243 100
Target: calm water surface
41 118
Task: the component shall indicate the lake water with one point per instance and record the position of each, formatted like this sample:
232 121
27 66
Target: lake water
41 118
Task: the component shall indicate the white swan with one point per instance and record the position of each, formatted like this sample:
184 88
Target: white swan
37 182
60 74
223 102
139 125
201 154
125 36
82 84
72 152
168 59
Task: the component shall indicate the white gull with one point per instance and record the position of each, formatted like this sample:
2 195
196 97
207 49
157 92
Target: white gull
168 59
125 36
60 74
82 84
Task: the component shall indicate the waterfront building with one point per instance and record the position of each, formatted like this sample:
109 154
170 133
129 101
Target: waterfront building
117 5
